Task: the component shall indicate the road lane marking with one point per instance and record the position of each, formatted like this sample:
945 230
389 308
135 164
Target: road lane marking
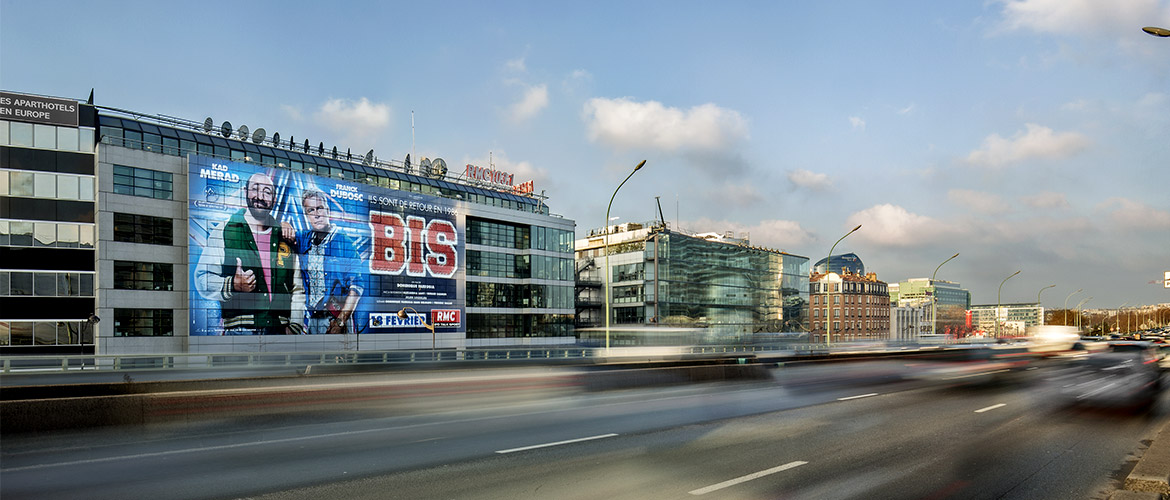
858 397
744 479
989 408
558 443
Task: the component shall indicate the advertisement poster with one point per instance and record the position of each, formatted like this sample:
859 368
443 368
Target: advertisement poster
274 252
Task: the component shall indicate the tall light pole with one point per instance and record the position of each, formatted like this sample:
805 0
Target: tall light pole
403 315
934 297
998 301
828 304
609 271
1079 304
1118 320
1038 302
1079 290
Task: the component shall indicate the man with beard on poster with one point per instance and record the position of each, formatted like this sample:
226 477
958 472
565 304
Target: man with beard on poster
256 278
330 269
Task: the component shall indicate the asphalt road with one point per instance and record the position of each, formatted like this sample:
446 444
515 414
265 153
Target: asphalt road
854 430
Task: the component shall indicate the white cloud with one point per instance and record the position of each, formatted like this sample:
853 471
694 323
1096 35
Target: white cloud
534 100
893 226
777 234
1081 17
1037 142
516 65
742 195
906 110
979 201
857 122
292 112
359 119
1046 200
624 123
809 180
1133 214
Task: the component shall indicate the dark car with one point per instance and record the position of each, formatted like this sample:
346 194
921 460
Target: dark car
1124 375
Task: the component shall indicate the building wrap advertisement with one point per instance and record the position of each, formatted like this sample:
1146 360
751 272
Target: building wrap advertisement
274 252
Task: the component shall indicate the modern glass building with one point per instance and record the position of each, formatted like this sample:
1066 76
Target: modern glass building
153 224
662 277
1013 319
841 264
950 300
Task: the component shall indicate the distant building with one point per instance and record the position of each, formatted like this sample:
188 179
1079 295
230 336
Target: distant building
841 264
665 277
951 303
1014 319
858 306
906 323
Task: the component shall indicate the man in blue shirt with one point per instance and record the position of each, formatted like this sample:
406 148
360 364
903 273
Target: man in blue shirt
330 270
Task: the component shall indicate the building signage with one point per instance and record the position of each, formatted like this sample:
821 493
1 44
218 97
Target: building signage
280 252
37 109
488 175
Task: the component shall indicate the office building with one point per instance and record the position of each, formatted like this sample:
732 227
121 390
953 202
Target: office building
950 303
199 237
1013 319
717 283
857 306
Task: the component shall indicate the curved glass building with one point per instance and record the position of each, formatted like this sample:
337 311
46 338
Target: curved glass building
838 263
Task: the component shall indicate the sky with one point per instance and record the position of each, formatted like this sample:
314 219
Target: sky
1029 135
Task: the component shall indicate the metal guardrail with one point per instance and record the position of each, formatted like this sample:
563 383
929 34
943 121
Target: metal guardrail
187 361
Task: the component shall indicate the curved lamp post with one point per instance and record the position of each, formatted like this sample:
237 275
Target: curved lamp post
402 315
1118 319
828 305
1079 304
609 271
998 301
1038 301
1079 290
934 297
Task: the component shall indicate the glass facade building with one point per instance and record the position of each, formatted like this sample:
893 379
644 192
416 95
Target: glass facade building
950 300
667 278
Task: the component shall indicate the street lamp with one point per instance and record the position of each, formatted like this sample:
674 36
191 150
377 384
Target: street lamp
828 305
1079 290
998 301
1079 304
934 298
402 315
1038 302
609 271
1159 32
1119 309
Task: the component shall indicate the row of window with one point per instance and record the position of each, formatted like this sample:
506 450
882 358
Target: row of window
46 234
46 185
144 322
21 333
143 182
498 326
35 135
880 326
46 210
855 311
144 276
852 299
498 234
46 284
518 295
502 265
178 146
134 228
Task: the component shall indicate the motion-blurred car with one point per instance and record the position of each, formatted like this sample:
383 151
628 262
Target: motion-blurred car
1125 375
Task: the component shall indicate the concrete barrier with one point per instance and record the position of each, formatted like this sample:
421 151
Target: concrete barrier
1152 472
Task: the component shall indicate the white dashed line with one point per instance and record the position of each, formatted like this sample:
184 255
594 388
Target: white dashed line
858 397
744 479
989 408
558 443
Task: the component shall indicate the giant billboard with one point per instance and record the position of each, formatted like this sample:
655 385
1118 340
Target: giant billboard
275 252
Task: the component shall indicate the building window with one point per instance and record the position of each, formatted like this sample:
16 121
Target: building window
134 228
143 276
142 182
144 322
46 284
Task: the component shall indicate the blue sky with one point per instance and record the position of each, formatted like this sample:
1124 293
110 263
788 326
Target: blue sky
1027 135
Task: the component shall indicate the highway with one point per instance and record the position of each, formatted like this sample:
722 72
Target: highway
855 430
